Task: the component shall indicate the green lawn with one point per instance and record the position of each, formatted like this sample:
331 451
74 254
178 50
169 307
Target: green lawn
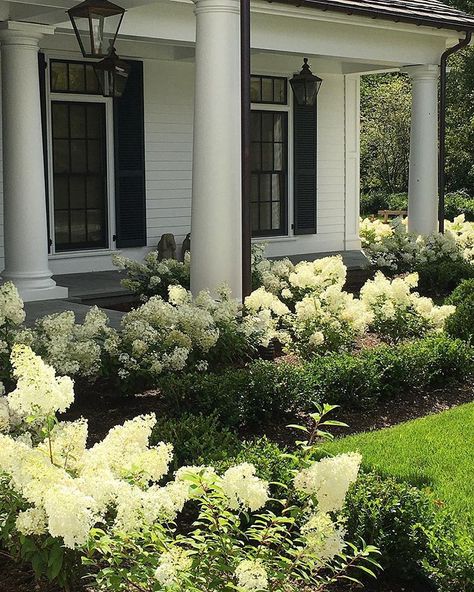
437 451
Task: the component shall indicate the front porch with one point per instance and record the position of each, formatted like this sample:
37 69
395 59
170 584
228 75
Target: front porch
170 148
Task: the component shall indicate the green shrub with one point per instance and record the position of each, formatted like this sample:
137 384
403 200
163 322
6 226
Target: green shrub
196 439
415 538
461 323
459 203
442 277
269 390
388 514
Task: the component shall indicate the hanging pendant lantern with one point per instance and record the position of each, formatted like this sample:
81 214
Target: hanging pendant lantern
305 86
112 74
96 24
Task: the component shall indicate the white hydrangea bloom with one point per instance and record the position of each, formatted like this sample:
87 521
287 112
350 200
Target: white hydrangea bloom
243 488
172 565
31 522
11 305
324 539
4 414
251 575
39 392
71 514
329 479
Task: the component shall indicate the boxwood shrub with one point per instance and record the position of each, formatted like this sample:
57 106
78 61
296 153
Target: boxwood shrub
461 323
266 390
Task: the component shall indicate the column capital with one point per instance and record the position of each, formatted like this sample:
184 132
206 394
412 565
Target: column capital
422 71
217 6
18 33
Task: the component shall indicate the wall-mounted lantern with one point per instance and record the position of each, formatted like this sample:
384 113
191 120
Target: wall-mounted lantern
96 24
112 74
305 86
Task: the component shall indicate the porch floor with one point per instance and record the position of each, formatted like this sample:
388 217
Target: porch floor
85 290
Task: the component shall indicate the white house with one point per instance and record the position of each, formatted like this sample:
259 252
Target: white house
84 176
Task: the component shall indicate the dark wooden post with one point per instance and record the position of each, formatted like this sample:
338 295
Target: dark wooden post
245 124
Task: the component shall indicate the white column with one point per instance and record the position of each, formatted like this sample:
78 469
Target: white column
216 235
352 162
25 227
423 171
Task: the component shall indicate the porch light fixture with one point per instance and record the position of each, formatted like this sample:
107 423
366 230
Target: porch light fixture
96 23
305 86
112 74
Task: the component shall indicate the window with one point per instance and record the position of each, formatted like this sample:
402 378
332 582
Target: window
269 158
73 77
268 90
79 175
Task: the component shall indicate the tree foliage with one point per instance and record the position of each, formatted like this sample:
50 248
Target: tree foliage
385 132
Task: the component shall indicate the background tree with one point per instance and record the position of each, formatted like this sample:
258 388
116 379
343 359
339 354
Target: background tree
385 132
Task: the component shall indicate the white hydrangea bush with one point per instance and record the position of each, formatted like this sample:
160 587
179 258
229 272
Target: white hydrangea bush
185 333
153 277
391 248
116 507
328 321
397 312
77 349
12 316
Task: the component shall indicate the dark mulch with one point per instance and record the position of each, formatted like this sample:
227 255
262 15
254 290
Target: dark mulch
19 578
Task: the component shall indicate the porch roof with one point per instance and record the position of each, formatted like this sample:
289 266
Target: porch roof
429 13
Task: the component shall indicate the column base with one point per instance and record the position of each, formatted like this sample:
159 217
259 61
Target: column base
34 287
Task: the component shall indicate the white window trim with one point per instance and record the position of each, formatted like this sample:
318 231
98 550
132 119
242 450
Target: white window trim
109 124
288 108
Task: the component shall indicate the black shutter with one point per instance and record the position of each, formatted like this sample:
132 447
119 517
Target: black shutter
305 136
42 72
130 200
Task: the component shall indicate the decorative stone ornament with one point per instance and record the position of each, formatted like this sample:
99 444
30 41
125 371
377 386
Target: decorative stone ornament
186 246
96 24
167 247
305 86
112 74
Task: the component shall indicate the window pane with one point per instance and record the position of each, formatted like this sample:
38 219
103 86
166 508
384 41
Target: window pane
276 186
278 127
61 156
95 192
276 215
255 157
254 188
78 226
92 85
61 192
78 156
267 157
58 76
94 156
267 90
254 216
265 216
279 90
61 227
77 114
265 188
60 121
77 191
255 126
278 160
95 225
94 122
77 82
255 92
267 127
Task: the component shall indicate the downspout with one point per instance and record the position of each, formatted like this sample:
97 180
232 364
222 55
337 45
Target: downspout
442 125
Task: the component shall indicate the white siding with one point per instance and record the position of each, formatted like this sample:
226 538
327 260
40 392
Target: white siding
168 141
